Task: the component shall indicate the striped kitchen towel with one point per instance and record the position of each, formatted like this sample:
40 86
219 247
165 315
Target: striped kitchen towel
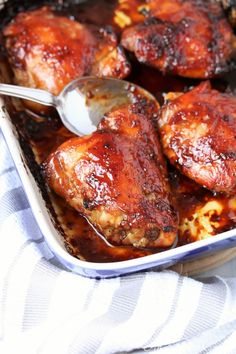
45 309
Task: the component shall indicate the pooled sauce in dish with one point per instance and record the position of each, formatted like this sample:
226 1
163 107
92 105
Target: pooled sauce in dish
202 213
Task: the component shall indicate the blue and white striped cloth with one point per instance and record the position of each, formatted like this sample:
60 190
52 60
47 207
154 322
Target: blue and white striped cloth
45 309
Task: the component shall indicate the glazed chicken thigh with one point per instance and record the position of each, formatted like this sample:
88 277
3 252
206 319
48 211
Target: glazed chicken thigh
198 134
117 179
48 51
184 37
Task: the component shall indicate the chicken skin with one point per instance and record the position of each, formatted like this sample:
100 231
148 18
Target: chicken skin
47 50
117 179
198 134
183 37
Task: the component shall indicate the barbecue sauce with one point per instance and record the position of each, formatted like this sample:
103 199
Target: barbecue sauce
202 212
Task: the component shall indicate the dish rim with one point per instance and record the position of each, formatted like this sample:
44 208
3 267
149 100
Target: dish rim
55 240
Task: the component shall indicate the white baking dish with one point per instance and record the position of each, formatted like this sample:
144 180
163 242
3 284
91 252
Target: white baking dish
55 241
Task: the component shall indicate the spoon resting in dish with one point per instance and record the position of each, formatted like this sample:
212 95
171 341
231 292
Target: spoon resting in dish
88 98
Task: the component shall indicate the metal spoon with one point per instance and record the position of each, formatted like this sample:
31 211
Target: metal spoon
83 102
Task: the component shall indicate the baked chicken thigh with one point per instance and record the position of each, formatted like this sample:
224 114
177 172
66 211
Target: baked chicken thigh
184 37
198 134
48 51
117 179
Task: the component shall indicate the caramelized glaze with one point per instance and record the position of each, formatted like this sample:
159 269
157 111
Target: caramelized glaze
116 177
198 218
47 50
187 38
198 134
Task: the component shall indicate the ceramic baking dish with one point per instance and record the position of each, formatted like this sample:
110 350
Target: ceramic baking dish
54 239
46 221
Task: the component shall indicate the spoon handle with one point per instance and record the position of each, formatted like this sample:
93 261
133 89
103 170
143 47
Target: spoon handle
36 95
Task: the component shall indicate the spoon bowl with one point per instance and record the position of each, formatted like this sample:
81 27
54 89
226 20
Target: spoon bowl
83 102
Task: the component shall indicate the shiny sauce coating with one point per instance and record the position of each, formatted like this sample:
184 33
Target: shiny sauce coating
202 213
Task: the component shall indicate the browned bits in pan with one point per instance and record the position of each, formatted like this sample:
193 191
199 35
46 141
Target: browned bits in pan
117 178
